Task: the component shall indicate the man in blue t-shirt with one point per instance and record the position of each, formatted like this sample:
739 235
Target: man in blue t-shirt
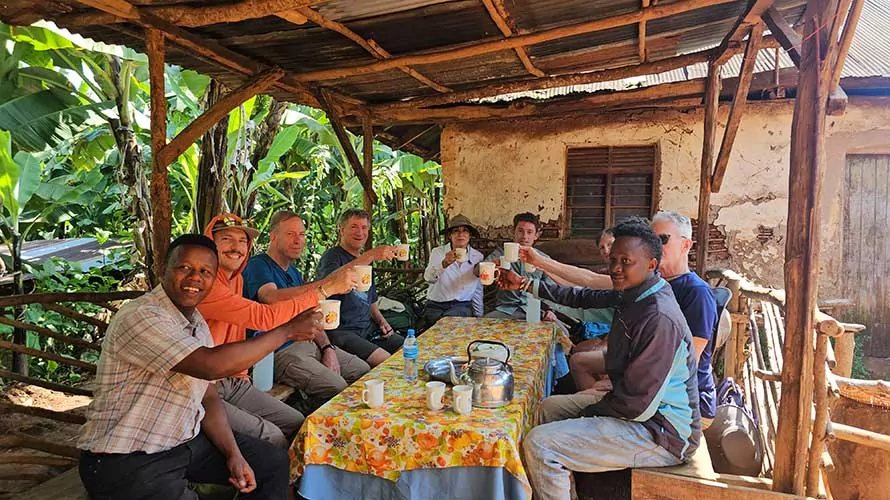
363 330
695 298
316 367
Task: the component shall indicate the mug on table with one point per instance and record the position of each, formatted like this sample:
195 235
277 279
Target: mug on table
462 399
435 392
372 395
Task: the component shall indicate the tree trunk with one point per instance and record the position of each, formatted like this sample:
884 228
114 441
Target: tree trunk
132 169
19 336
211 181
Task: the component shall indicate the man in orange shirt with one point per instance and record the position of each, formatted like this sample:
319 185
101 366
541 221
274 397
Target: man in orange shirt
229 314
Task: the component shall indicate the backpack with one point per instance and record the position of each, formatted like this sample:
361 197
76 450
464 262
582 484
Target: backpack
733 438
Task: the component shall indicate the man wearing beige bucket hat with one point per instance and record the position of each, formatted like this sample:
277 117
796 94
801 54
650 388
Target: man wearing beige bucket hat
454 288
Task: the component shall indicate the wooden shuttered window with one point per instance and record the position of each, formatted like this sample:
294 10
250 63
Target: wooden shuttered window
605 185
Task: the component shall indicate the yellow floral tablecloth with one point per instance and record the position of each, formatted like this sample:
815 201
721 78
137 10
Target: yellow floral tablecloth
404 435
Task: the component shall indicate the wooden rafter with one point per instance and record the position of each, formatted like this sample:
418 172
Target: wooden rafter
498 13
751 16
188 16
784 33
641 35
206 49
348 149
369 45
746 74
212 116
648 68
712 101
846 41
465 51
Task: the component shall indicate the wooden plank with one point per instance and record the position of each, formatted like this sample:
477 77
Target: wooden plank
67 485
22 459
36 411
159 192
453 53
861 436
46 385
817 442
19 440
348 148
752 16
189 16
47 298
651 485
369 45
746 74
802 258
46 332
712 102
784 33
47 355
221 108
498 13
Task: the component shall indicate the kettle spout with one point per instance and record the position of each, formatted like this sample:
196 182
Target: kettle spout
452 372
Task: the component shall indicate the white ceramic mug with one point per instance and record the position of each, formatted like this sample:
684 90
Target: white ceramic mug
461 254
528 268
462 399
372 395
505 264
511 251
365 277
330 313
487 272
402 252
435 392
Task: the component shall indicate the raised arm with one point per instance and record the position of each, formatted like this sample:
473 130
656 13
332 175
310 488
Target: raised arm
565 274
223 305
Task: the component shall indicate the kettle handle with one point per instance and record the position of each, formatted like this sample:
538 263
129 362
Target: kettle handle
492 342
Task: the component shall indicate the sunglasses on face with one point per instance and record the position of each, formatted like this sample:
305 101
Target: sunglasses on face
665 238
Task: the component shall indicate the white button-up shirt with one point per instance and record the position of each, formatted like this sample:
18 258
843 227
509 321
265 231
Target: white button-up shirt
455 282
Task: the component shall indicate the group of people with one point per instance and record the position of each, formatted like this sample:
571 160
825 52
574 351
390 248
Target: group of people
173 402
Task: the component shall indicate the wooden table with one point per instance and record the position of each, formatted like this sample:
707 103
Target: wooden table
401 450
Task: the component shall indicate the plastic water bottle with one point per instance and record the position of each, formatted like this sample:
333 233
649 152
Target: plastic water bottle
533 309
262 372
409 352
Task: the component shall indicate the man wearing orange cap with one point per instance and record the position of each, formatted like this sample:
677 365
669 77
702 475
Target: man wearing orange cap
229 314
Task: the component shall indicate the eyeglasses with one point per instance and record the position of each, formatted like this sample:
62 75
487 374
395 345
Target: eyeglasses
665 238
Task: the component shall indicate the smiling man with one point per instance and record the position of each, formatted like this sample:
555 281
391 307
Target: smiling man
250 410
156 423
650 417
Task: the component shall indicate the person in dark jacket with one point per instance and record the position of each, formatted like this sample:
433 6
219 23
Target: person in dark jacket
650 417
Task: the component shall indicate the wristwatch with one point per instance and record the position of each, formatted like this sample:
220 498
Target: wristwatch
326 347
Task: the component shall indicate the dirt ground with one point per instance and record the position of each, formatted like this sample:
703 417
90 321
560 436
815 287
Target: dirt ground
15 477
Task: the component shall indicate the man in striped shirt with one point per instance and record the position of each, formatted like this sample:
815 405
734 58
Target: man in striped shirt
156 423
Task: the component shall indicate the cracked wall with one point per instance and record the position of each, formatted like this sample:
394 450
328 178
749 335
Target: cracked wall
492 170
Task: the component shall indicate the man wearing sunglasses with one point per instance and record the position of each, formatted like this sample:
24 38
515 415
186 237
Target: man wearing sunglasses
695 299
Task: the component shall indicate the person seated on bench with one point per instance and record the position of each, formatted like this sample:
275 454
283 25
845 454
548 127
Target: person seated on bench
454 288
650 417
315 367
695 298
228 314
156 422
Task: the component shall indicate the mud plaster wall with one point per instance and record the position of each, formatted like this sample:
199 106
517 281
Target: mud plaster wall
492 170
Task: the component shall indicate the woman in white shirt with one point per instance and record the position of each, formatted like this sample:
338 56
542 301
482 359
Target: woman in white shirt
454 288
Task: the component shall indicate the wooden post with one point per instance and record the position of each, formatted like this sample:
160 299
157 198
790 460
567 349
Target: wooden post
19 335
712 102
734 359
368 157
844 346
802 256
820 423
161 207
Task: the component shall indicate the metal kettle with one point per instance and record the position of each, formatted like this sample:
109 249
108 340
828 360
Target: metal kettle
491 379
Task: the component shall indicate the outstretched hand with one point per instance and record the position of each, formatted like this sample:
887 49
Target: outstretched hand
341 281
530 255
305 326
509 280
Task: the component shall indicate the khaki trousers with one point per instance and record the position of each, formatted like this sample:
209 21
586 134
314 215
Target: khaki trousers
299 365
257 414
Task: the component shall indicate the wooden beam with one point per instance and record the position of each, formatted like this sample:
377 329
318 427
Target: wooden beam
498 13
861 436
9 346
210 117
784 33
46 385
820 422
802 257
712 101
47 298
751 16
462 52
368 164
347 147
608 75
369 45
21 440
188 16
46 332
292 16
846 41
71 418
652 485
161 205
213 52
746 74
8 458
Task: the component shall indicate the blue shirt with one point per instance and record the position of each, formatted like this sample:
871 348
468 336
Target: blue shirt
355 306
261 269
700 309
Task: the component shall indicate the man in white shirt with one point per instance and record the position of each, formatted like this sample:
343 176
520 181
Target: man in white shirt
454 288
